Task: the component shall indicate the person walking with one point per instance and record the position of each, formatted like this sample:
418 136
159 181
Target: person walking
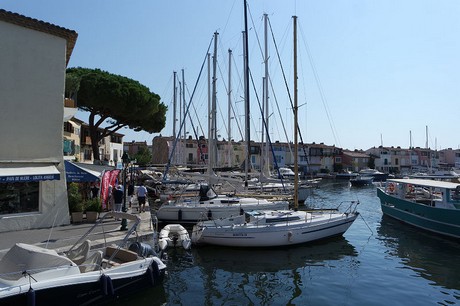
118 198
141 194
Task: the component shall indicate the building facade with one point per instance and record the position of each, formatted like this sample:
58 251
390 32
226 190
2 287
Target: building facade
33 57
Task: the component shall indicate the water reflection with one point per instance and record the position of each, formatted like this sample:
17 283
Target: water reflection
264 276
429 256
272 260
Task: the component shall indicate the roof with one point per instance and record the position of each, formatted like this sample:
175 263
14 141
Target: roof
426 183
355 154
34 24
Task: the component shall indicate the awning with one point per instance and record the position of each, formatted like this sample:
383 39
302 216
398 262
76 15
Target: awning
29 174
75 173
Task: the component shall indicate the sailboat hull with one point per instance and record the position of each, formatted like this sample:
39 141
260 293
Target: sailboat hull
318 226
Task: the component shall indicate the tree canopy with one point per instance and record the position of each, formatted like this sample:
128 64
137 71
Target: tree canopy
114 101
143 156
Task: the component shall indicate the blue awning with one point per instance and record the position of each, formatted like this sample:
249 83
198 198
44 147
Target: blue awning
28 174
76 173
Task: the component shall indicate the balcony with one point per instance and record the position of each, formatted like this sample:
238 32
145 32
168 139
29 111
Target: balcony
70 109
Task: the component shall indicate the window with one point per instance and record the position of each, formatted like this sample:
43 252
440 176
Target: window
255 150
190 157
19 197
115 155
87 154
69 147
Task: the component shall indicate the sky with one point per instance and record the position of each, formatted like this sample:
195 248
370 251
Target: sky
370 73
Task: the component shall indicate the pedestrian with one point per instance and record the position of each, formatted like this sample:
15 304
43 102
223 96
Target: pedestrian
118 198
141 194
130 193
94 190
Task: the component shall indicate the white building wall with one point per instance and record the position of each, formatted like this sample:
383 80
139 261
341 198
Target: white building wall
32 80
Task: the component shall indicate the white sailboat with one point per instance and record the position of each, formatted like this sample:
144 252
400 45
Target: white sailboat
271 228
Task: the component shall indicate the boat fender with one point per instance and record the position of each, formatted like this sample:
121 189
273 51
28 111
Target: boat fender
153 272
107 285
391 187
290 236
179 215
241 211
31 297
209 214
103 281
110 289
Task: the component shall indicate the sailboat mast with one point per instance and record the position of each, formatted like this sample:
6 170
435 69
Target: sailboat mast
181 119
174 110
266 162
185 115
246 93
229 157
209 112
214 105
296 165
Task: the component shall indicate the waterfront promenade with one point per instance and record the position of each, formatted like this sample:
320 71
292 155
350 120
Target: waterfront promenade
63 237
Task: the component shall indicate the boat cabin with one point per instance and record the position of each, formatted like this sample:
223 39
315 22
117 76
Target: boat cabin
439 194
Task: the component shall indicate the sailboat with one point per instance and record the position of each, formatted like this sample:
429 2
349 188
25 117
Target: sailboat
209 205
272 228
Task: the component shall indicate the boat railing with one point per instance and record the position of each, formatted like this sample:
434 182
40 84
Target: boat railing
352 207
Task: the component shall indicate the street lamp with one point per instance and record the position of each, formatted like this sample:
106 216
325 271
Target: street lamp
125 159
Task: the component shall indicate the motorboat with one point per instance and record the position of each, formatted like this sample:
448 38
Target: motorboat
174 235
273 228
284 172
346 175
209 205
427 204
375 174
361 180
82 275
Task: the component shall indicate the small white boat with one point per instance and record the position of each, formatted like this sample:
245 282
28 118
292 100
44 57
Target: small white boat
32 275
174 235
274 228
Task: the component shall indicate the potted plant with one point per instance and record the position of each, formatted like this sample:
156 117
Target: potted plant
93 207
75 203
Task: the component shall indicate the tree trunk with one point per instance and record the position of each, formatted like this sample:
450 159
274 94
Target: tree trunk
94 142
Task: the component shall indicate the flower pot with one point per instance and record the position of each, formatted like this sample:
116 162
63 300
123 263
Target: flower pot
77 217
91 216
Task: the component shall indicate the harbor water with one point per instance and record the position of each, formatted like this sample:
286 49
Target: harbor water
378 261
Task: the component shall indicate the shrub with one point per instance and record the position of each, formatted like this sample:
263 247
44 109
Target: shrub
93 204
74 198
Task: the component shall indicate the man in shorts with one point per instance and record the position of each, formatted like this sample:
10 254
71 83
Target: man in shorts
141 194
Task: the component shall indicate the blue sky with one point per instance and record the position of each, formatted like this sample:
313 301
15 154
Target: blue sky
370 72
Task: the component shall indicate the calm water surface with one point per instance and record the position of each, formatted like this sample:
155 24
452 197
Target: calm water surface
378 261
